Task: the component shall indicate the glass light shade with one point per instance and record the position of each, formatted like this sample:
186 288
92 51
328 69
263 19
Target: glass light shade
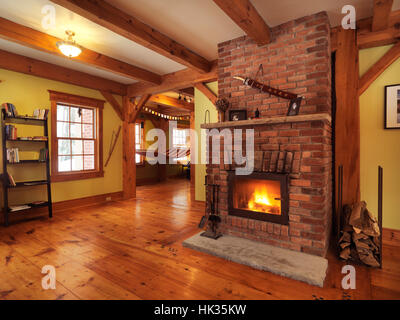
69 49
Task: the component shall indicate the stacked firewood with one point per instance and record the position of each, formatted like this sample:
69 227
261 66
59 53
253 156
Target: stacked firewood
359 241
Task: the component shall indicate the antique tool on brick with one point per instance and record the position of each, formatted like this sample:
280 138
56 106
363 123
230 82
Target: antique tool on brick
295 100
113 143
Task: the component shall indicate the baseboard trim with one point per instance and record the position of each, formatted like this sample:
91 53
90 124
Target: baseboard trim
61 206
391 237
87 201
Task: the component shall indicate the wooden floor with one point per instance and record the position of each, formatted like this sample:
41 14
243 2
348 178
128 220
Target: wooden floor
132 250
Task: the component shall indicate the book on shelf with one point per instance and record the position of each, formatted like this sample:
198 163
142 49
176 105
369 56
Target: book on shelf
13 155
19 208
11 180
10 109
11 132
40 138
44 154
40 114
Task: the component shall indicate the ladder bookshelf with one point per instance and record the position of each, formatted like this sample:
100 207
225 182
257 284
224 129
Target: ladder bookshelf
7 186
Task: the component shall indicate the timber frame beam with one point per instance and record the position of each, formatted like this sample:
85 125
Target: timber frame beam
172 102
378 68
134 112
44 42
129 154
380 19
114 103
246 16
125 25
18 63
347 126
174 81
366 38
207 92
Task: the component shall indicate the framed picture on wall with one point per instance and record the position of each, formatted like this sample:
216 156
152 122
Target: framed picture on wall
392 107
237 115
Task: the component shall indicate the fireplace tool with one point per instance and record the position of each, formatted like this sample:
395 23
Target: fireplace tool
212 217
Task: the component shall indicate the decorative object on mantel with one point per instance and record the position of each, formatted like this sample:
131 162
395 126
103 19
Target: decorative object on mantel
222 105
295 100
392 107
237 115
294 107
257 114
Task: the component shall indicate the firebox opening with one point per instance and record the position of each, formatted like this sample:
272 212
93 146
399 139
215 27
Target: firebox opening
257 195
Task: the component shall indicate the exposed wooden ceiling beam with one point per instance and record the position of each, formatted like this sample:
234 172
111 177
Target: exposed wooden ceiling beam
378 68
207 92
138 108
129 27
114 103
368 39
243 13
172 102
174 81
380 19
41 41
18 63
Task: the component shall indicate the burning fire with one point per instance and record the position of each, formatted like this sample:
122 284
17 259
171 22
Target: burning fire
263 201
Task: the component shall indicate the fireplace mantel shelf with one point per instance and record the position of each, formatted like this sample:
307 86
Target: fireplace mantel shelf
273 120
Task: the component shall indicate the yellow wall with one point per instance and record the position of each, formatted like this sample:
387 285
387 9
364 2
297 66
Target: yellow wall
28 93
201 104
379 146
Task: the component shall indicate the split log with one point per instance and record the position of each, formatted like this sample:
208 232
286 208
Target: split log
360 236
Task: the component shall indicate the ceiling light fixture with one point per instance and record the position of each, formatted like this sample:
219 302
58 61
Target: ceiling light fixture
69 47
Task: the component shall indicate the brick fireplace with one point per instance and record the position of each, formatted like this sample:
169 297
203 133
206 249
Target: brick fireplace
297 214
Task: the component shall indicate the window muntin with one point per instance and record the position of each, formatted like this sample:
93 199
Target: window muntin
76 138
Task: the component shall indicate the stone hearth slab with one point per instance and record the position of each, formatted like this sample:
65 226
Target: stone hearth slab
292 264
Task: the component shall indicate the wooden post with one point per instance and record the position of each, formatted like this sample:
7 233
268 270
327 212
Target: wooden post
347 120
162 168
192 153
128 159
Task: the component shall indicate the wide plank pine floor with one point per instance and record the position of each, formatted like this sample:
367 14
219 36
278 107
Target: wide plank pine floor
132 250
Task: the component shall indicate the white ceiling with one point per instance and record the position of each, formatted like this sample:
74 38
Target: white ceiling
198 24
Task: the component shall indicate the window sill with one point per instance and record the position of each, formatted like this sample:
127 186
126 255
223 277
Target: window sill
76 176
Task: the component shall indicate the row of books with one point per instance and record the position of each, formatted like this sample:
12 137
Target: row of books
13 155
10 109
40 113
11 132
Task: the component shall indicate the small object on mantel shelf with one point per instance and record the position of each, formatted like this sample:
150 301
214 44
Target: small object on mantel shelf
294 107
237 115
257 114
222 105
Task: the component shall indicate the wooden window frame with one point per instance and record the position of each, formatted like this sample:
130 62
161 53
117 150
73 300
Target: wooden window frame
141 163
76 101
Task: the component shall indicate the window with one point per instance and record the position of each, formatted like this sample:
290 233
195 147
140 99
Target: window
139 141
179 138
76 139
179 141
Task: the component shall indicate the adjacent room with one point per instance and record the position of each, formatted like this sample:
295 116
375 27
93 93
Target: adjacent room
200 150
